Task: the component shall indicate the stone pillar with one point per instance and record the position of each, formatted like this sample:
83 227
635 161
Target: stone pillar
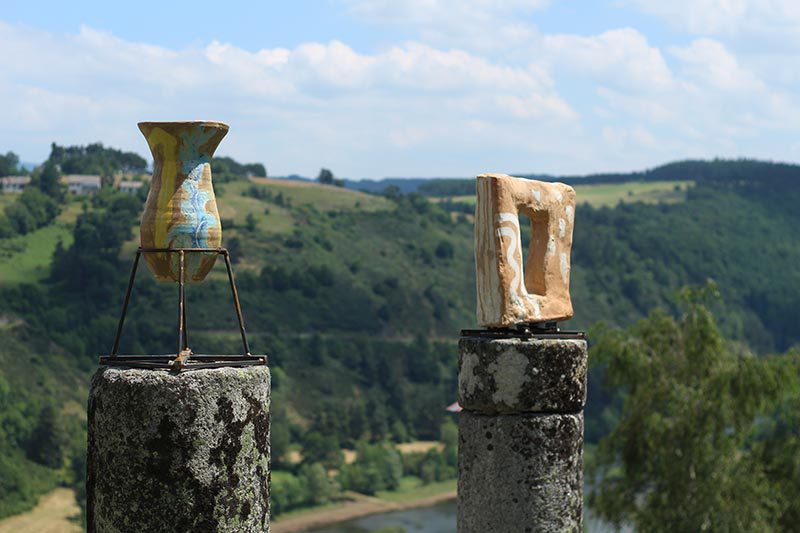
179 452
520 457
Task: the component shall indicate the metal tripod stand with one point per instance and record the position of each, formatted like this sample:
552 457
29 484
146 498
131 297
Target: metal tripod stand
185 359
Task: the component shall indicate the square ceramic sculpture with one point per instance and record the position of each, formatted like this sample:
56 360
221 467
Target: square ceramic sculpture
512 290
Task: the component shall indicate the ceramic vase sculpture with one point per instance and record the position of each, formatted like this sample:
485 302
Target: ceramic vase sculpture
181 209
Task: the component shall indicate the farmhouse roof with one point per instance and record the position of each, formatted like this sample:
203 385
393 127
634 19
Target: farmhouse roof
16 180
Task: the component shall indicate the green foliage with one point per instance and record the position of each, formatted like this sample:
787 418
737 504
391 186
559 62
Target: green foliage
324 449
47 440
449 437
15 488
766 175
321 487
9 165
444 250
250 222
95 159
47 180
33 210
431 466
358 312
226 169
635 257
377 467
287 492
310 486
687 454
326 177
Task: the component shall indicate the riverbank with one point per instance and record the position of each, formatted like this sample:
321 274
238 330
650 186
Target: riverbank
359 505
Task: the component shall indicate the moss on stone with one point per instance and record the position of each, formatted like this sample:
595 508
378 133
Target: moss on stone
179 452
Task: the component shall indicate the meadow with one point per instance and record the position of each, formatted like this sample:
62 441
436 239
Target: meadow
611 194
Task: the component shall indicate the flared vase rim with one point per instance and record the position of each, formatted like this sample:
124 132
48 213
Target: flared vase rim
180 123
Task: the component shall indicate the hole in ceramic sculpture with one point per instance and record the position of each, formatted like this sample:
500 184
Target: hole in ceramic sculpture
535 233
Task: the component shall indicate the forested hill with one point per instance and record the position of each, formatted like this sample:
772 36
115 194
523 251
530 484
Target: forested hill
358 299
719 171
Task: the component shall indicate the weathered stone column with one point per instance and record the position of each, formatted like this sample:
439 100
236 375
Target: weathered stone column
179 452
520 457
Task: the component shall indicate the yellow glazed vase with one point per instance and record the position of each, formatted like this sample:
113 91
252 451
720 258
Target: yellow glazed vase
181 209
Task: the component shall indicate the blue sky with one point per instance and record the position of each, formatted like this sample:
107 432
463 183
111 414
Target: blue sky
373 88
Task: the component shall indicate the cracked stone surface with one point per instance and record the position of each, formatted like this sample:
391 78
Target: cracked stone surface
179 452
516 375
520 473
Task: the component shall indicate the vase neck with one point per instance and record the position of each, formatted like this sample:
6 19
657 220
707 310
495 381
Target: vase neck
183 141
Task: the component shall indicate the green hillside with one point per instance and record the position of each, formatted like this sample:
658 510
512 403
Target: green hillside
358 300
610 194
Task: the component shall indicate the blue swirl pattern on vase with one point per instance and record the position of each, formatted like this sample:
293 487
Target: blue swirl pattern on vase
192 230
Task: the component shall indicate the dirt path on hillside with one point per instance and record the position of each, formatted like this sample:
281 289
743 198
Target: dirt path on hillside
51 515
359 507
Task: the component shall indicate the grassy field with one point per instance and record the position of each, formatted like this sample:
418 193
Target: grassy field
649 192
323 197
235 204
609 195
411 488
26 259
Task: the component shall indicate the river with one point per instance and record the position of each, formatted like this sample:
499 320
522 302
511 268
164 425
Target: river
437 519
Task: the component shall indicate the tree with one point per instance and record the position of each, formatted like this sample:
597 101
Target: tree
321 488
9 164
326 177
235 249
377 467
250 222
48 439
48 181
287 492
322 449
449 437
444 250
687 454
32 210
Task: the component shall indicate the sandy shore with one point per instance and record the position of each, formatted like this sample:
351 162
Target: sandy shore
360 506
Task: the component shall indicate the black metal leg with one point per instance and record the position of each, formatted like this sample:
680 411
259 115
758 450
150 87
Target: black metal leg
181 301
238 306
125 302
185 327
180 362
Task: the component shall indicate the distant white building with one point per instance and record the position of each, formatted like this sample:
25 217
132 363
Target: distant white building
129 186
14 183
82 184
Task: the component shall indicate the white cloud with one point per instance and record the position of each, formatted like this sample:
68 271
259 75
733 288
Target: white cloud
711 63
767 18
467 24
347 105
622 57
479 88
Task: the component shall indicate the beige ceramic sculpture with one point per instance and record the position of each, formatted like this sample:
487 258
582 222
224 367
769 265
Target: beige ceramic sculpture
509 293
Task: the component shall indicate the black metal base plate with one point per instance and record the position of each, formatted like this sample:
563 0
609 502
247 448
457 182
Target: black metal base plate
541 330
196 362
